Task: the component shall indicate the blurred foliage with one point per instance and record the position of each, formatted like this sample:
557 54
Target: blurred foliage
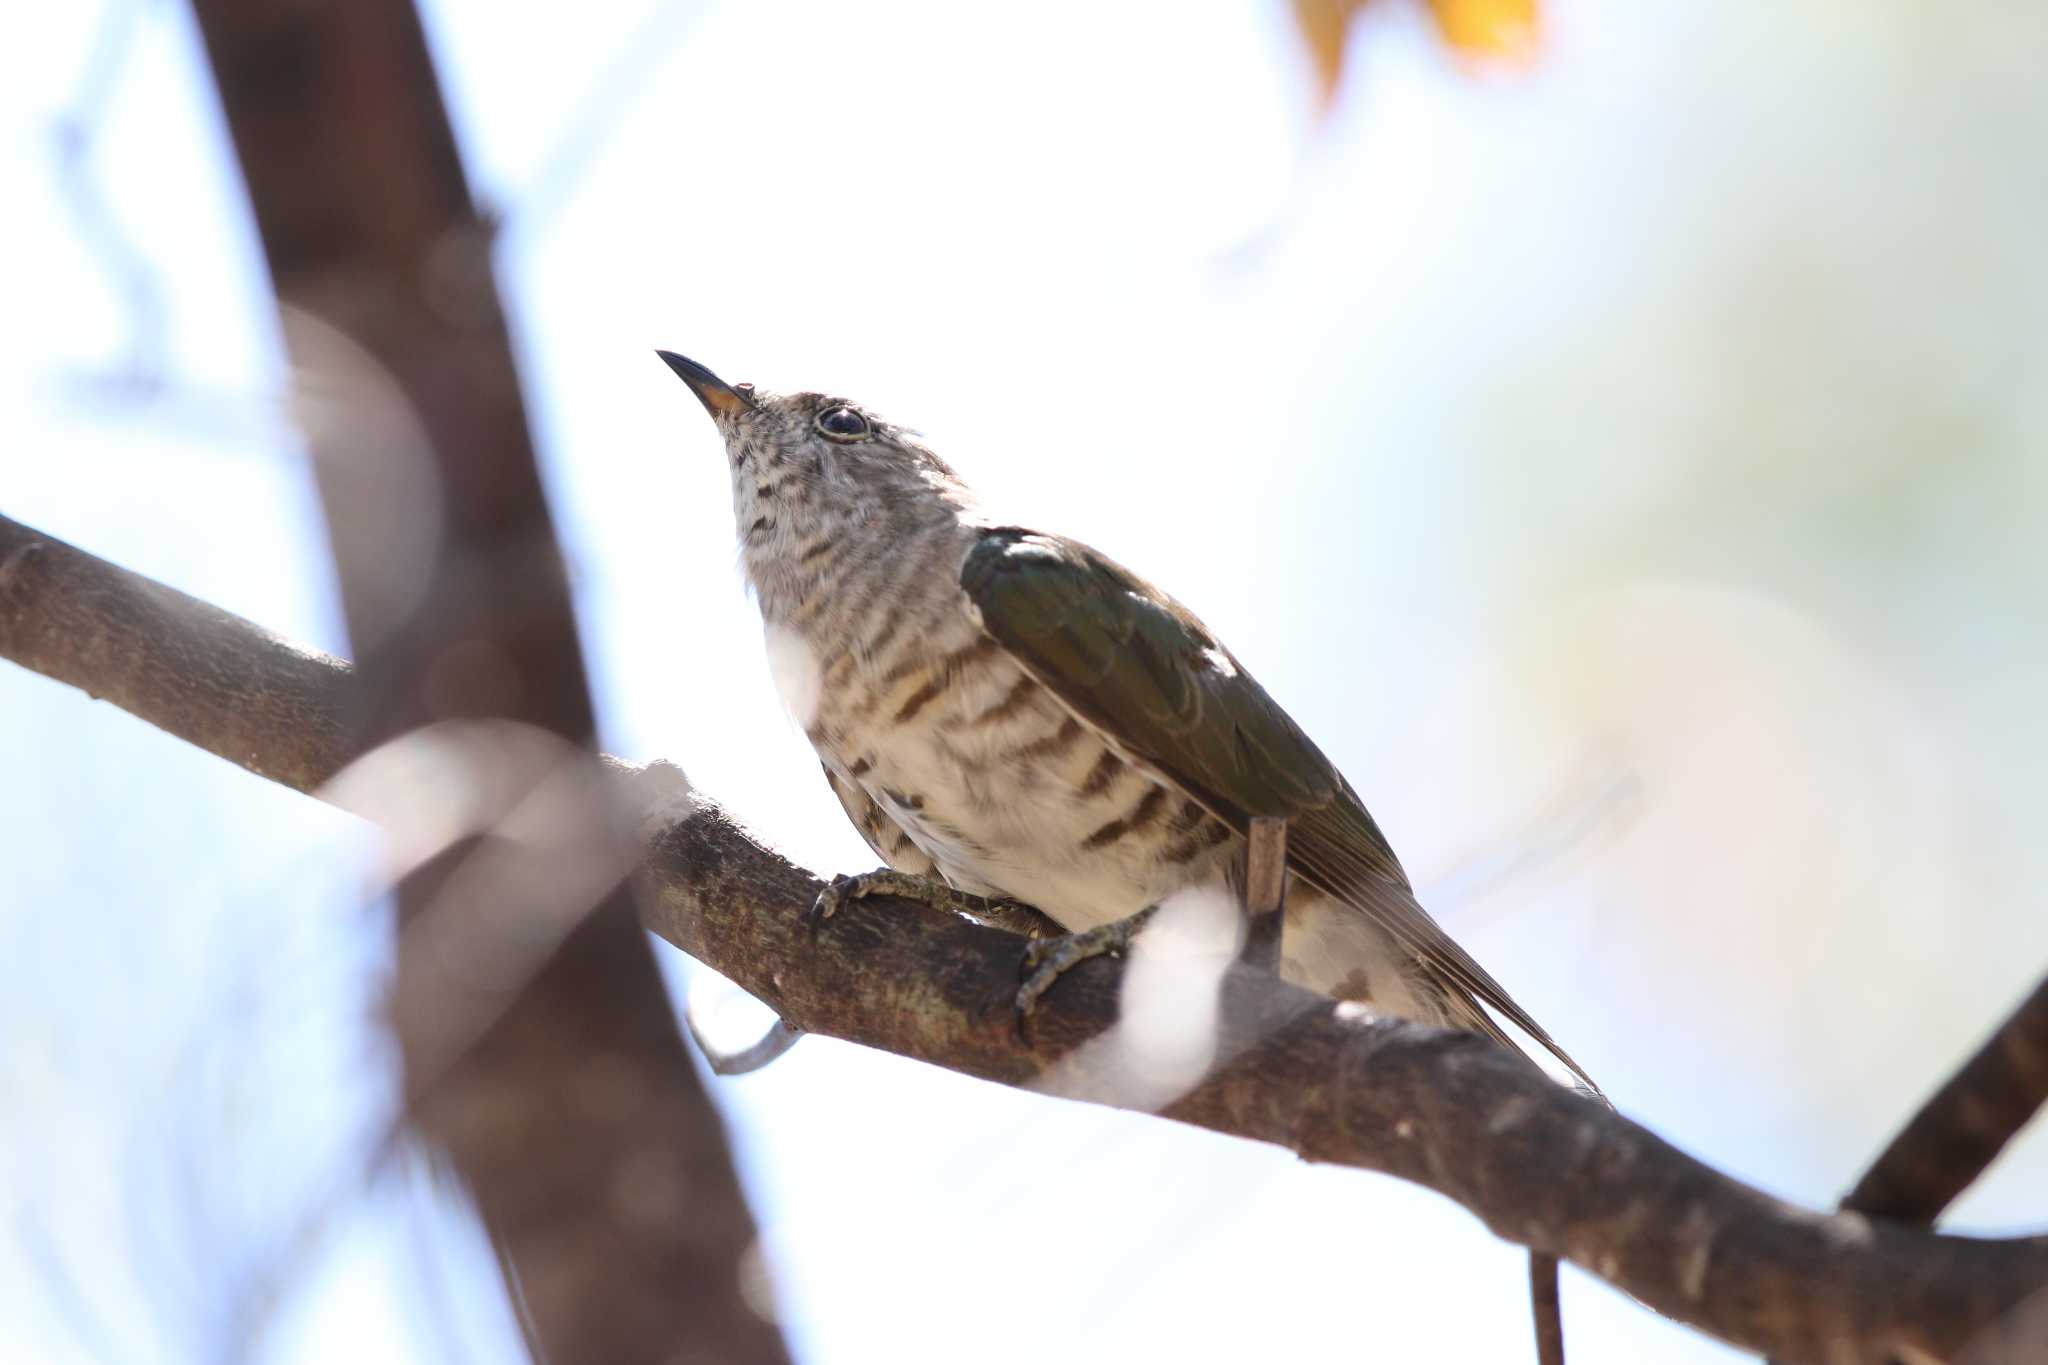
1485 30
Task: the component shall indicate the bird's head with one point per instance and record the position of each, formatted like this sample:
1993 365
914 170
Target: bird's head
810 465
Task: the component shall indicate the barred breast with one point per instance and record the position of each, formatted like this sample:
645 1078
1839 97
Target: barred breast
952 760
992 780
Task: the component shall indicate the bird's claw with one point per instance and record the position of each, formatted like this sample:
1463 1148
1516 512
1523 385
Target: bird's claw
831 896
886 881
1046 960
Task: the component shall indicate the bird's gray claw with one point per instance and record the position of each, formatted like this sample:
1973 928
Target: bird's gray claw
831 896
1046 960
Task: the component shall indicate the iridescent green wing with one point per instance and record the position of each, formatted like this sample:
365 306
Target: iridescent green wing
1141 669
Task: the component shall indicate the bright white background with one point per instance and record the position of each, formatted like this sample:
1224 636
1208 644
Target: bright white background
1631 470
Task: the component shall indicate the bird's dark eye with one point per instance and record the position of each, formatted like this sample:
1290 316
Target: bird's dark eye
843 424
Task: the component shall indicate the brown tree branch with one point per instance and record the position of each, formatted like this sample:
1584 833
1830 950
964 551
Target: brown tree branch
557 1081
1537 1163
213 679
1540 1165
1965 1125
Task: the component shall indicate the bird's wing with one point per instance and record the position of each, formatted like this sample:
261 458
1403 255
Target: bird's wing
1141 669
884 835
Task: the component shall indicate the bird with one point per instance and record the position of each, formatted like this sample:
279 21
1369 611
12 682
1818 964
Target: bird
1011 718
1017 723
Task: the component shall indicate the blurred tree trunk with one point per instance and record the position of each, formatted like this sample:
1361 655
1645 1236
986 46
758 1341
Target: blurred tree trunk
571 1111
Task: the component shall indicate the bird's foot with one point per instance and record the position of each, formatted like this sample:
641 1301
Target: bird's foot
884 881
1046 960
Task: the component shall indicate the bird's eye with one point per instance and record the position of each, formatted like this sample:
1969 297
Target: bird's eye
843 424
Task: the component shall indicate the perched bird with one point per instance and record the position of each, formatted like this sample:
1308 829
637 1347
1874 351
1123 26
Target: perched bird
1007 714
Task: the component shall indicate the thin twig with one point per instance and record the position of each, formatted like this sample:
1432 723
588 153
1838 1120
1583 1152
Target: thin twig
133 275
1546 1308
766 1049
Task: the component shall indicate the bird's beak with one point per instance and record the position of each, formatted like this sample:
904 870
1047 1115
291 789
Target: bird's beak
719 398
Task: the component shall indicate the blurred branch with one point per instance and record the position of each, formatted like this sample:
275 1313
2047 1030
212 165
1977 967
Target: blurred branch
1965 1125
1593 810
606 100
1540 1165
547 1064
72 134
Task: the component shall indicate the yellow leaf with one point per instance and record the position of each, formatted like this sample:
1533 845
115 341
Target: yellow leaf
1489 28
